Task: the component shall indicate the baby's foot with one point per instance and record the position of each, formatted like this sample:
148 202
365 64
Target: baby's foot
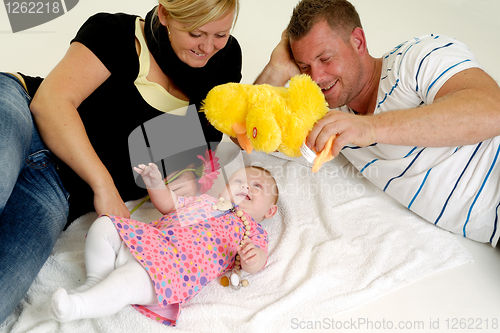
62 306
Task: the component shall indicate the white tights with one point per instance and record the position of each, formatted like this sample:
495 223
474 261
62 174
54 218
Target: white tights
114 279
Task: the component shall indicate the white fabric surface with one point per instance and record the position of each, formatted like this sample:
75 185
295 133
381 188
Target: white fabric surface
337 242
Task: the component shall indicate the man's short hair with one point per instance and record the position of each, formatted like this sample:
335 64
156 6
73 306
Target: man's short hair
340 15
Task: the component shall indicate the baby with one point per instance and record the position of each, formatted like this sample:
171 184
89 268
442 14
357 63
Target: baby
158 266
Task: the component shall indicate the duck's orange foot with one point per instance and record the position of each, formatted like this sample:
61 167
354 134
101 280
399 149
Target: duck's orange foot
324 156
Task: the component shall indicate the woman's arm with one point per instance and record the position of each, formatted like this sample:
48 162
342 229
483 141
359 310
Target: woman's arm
54 109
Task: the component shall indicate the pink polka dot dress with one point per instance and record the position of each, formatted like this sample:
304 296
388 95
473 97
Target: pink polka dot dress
185 250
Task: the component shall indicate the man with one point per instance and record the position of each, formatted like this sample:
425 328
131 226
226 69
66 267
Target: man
422 122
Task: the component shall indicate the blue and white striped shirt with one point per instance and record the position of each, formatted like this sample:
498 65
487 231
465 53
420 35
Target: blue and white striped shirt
456 188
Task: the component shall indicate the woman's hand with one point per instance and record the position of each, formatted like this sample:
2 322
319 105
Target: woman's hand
109 201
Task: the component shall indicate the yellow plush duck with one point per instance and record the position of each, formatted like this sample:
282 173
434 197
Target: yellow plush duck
268 118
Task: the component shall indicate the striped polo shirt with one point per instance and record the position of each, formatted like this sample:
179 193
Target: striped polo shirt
456 188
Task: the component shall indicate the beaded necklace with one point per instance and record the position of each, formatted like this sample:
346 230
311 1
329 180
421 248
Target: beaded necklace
235 277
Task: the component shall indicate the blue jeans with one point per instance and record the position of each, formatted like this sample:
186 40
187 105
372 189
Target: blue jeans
33 202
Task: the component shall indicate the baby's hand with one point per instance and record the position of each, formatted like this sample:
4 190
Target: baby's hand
248 253
151 175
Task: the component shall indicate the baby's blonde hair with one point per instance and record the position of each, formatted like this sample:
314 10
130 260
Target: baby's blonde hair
196 13
268 174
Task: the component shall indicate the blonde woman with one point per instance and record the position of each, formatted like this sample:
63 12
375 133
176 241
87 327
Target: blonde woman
55 138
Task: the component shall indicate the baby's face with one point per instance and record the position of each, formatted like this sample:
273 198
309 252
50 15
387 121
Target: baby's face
254 191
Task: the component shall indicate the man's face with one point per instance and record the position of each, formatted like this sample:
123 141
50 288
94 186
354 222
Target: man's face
331 62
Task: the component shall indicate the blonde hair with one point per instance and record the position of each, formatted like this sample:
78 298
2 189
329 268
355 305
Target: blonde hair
196 13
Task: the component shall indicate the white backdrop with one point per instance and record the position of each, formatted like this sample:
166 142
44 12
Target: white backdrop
386 23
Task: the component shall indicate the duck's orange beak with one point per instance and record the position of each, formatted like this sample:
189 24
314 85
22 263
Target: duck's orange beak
241 135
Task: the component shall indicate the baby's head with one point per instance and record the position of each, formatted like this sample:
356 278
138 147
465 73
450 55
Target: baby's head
254 190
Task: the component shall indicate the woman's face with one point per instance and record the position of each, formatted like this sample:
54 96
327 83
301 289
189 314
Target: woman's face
196 47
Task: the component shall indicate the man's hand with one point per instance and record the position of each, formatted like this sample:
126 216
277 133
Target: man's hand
349 128
282 57
281 66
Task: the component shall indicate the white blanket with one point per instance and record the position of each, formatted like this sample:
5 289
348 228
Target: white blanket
336 243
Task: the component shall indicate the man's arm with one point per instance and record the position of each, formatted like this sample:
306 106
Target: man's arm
465 111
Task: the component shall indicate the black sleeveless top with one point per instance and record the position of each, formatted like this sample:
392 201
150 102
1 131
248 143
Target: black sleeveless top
116 108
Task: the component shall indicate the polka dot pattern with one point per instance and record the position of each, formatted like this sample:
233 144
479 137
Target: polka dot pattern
185 250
